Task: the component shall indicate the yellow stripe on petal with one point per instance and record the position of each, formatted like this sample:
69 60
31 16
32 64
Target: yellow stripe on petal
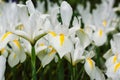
53 33
17 43
100 32
104 23
115 59
116 67
14 56
62 39
6 35
90 62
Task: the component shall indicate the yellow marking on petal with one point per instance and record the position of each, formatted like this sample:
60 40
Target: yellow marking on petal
41 44
115 59
100 32
2 50
90 62
17 43
52 52
14 56
62 39
6 35
104 23
116 67
53 33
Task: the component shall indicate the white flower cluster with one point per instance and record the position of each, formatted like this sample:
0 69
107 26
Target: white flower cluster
24 26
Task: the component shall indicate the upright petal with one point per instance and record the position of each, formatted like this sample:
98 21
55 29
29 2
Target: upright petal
30 6
66 13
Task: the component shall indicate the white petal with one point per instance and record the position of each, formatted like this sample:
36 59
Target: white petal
47 59
83 37
108 54
39 34
22 56
66 13
30 6
111 61
99 75
13 59
90 68
4 52
62 49
115 43
27 46
22 34
6 38
46 56
99 38
2 67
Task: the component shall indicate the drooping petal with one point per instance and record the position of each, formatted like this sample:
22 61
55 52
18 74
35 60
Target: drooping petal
22 56
8 36
99 75
111 61
99 37
62 44
13 59
114 71
18 49
46 56
90 68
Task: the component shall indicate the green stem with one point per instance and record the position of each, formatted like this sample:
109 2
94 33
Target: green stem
33 63
74 72
60 70
78 75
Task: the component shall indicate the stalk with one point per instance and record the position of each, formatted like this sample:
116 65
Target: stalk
33 63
